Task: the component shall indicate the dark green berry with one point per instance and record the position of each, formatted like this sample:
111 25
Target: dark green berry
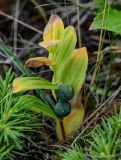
62 108
65 92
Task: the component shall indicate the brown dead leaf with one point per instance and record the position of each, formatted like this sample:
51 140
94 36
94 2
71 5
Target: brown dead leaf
39 61
47 44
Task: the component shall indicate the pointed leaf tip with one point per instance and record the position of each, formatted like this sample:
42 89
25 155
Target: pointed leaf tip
30 83
54 28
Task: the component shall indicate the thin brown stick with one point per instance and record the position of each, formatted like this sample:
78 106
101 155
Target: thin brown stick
97 66
99 48
21 22
78 21
16 25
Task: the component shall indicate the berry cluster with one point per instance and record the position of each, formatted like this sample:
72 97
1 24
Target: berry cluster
64 94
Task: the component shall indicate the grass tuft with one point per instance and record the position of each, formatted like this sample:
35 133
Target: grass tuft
107 139
74 153
15 120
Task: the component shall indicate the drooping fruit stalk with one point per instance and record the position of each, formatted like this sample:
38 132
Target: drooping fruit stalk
62 130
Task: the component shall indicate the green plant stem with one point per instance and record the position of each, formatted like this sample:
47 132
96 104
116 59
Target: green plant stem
114 139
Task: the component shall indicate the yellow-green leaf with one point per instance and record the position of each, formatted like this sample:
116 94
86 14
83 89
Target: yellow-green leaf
73 121
29 83
74 70
66 46
54 28
38 106
58 41
39 61
53 31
